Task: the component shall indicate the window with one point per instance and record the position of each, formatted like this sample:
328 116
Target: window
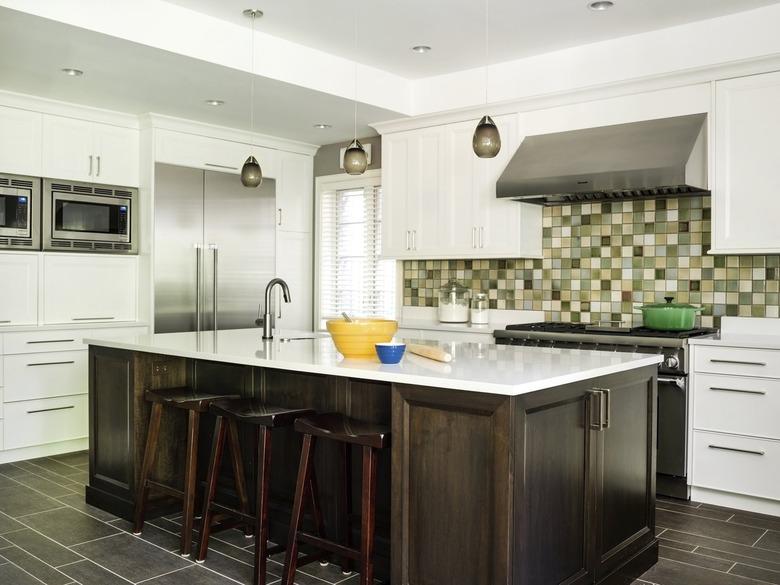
351 275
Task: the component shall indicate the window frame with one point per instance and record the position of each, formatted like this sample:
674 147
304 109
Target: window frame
338 182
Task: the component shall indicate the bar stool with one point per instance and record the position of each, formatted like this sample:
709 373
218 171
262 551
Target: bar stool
195 403
264 418
338 427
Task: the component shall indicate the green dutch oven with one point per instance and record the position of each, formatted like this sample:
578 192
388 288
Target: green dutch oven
669 316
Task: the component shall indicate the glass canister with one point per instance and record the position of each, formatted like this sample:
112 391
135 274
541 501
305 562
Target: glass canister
453 303
479 309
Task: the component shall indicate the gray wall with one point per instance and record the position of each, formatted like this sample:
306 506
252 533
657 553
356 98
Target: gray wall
326 161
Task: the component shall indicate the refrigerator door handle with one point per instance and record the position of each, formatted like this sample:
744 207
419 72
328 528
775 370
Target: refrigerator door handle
198 278
215 250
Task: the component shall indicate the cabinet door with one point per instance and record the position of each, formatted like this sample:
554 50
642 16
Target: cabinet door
20 147
117 151
200 152
396 240
19 290
746 182
68 149
459 228
294 265
294 193
426 175
89 288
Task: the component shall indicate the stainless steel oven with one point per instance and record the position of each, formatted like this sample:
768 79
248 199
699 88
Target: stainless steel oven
89 218
20 212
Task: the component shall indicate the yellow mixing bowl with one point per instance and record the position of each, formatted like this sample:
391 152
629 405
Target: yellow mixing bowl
356 339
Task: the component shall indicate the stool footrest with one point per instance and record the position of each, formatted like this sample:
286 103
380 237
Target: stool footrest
238 514
329 545
166 489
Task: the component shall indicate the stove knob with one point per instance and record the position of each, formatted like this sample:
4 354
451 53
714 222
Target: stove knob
671 362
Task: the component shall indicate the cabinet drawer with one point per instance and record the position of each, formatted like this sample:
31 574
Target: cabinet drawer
45 375
737 361
742 465
44 341
734 404
37 422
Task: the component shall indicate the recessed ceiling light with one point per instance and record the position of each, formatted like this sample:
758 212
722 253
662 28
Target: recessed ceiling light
421 48
322 126
72 72
249 12
601 5
215 102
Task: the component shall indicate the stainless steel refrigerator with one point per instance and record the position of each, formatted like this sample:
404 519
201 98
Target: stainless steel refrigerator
214 249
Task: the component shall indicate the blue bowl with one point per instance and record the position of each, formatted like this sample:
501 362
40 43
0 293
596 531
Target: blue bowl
390 353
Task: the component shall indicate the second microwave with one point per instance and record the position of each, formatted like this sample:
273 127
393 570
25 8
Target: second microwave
89 218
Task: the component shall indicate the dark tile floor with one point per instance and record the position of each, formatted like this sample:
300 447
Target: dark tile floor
49 535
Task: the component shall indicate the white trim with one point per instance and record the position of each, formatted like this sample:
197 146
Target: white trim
737 501
321 184
68 110
651 83
11 455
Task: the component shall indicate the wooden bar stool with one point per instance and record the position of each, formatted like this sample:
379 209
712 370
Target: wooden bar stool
338 427
195 403
264 418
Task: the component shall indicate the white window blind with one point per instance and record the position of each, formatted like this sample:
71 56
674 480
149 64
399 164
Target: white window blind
353 279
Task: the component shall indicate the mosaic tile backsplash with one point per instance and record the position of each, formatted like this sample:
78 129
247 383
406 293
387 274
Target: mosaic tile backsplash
600 259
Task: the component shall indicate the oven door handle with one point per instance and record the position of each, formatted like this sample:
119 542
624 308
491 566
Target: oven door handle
679 382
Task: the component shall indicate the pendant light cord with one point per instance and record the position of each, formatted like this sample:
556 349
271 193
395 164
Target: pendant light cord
356 71
487 62
252 78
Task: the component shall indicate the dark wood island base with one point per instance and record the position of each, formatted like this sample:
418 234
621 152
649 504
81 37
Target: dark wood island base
549 487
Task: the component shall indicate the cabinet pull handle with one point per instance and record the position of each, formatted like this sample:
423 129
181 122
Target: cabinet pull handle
738 390
604 405
607 407
51 341
98 165
407 239
51 363
473 237
51 409
738 362
481 237
92 318
597 408
5 321
90 165
414 239
216 166
280 216
679 382
749 451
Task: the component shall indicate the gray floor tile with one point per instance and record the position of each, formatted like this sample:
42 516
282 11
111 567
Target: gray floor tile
11 469
77 501
53 466
13 575
88 573
39 546
751 556
191 576
668 572
7 524
230 567
68 526
4 543
77 476
35 566
43 485
759 521
726 547
131 557
674 544
20 500
770 541
703 512
6 481
151 533
73 459
706 527
756 573
675 554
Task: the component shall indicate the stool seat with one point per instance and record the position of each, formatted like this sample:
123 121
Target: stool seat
255 412
185 398
339 427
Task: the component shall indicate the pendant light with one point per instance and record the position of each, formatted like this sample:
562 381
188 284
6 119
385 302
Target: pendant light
487 141
355 159
251 173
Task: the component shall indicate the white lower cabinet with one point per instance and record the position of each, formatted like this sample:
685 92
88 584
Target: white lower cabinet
45 375
18 288
49 420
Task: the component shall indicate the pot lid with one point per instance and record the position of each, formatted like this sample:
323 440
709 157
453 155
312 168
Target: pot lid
668 305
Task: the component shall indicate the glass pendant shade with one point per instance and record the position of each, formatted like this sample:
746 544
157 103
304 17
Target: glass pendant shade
251 174
355 159
487 141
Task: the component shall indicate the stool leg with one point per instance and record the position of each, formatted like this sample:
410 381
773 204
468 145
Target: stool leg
150 453
190 481
368 517
304 469
238 470
345 504
261 514
217 445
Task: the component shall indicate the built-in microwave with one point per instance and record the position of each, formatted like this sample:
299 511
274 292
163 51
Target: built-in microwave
20 212
80 217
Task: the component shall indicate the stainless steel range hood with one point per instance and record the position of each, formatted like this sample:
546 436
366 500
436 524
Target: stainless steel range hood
640 160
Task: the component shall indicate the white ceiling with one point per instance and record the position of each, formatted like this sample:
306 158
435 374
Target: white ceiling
455 28
136 79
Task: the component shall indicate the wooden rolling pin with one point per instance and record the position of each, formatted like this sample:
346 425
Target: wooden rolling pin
429 351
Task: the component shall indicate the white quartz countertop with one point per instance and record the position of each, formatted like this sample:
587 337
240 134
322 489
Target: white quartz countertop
477 367
740 340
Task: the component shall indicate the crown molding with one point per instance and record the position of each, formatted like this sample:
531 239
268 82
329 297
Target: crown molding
58 108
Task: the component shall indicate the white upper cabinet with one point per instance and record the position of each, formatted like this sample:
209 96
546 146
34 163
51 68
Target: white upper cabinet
294 265
18 289
440 198
745 181
294 193
78 150
89 288
20 145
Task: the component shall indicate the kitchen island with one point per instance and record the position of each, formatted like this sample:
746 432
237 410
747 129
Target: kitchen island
517 465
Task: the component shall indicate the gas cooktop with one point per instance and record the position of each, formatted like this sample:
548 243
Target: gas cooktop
586 328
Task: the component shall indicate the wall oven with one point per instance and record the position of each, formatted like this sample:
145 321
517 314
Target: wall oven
20 209
79 217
